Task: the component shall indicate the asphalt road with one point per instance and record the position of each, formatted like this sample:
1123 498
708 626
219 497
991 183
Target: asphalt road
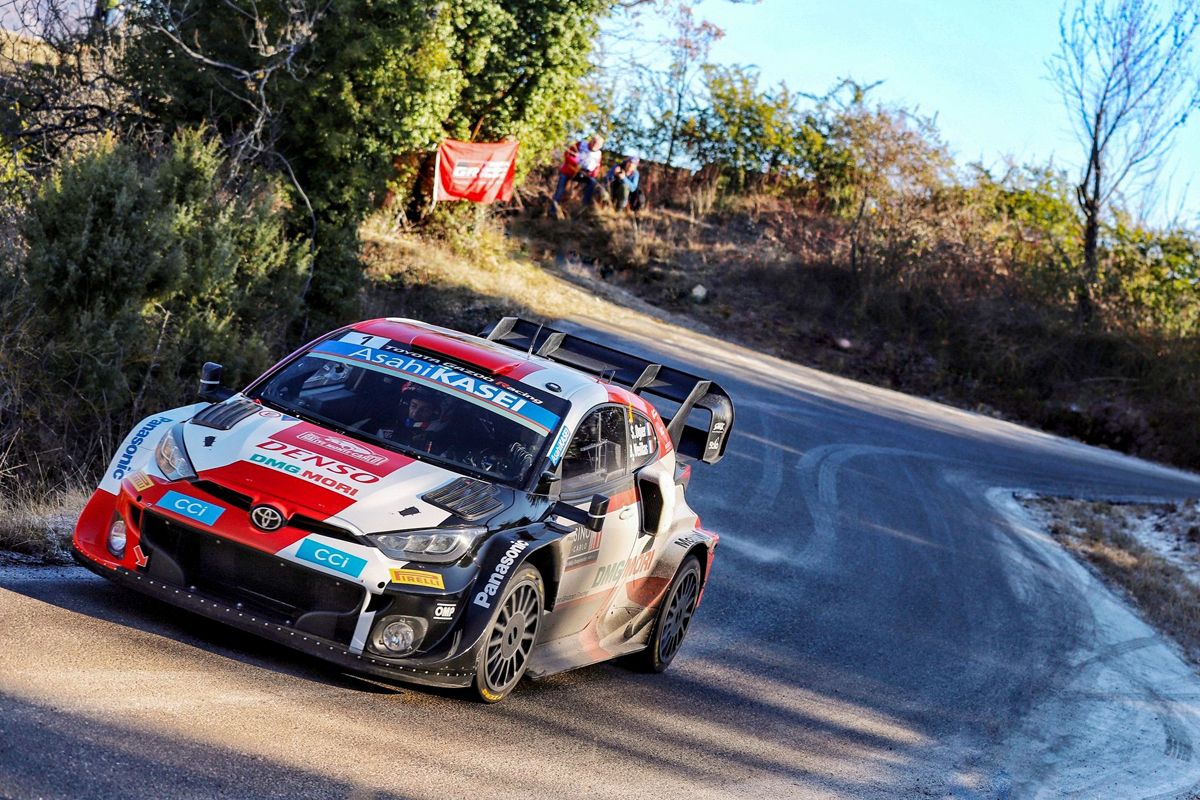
881 621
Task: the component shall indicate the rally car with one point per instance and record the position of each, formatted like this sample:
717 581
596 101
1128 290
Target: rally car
409 501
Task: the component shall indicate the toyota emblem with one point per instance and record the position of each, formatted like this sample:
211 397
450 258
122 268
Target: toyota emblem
266 518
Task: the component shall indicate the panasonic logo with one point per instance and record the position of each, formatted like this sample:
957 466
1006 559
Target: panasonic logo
496 580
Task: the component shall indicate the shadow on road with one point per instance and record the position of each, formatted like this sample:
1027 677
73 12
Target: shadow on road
47 752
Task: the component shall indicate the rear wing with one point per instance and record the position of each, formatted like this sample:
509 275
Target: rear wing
694 433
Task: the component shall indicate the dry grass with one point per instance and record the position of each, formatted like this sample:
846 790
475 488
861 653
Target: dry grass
40 525
473 278
20 50
1165 589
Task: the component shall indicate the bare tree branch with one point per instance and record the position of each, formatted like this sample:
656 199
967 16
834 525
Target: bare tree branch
1127 73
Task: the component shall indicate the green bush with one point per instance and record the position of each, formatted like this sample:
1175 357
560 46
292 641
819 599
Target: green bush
137 269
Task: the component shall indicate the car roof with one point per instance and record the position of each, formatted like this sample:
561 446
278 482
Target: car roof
576 386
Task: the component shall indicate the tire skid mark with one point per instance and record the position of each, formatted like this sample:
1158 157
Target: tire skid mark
1125 658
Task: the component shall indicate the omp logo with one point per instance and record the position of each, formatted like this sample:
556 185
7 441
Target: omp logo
188 506
331 557
343 446
443 611
488 170
496 580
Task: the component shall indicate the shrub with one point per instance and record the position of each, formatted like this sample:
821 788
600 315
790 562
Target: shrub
138 268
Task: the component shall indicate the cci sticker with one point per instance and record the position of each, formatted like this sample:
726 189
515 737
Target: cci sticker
331 557
180 503
417 577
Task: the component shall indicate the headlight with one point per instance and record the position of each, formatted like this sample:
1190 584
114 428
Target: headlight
439 546
171 456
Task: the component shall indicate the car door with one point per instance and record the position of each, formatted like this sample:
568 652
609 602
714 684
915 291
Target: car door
596 462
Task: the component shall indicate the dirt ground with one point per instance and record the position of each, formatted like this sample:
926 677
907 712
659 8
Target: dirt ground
1148 551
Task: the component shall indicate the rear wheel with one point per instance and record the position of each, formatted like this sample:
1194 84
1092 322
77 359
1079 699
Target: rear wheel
510 636
673 618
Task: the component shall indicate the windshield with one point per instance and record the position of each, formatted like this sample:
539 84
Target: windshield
419 404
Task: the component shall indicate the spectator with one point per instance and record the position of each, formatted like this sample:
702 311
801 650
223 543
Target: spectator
581 162
622 182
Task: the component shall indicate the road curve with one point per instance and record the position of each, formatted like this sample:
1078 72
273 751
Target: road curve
882 621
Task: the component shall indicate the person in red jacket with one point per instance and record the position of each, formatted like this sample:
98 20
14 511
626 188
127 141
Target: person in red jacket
581 162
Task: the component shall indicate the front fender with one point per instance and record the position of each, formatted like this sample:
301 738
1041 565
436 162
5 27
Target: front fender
137 450
500 557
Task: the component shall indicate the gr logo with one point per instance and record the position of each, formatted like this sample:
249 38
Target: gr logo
443 611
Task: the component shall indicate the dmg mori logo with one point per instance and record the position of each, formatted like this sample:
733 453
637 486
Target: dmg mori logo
266 518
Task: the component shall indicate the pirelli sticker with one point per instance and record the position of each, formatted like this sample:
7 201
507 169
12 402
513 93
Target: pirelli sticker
418 577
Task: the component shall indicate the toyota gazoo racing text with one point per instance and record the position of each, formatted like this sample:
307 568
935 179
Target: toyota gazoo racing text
413 502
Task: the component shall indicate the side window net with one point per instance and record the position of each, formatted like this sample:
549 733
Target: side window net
598 452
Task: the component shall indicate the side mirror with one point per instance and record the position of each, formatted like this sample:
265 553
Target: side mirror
210 383
592 519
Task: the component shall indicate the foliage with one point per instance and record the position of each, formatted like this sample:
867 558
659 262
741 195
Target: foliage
1150 278
1128 76
743 130
344 88
138 269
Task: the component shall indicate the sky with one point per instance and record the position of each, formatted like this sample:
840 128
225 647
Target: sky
978 65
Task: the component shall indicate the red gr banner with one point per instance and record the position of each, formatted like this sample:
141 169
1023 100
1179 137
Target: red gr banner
481 172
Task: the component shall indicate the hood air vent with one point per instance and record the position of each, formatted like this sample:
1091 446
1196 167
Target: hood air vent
469 499
223 416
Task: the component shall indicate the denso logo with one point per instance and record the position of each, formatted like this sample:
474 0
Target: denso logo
344 446
306 457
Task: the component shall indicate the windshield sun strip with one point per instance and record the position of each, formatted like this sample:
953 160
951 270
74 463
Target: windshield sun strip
495 408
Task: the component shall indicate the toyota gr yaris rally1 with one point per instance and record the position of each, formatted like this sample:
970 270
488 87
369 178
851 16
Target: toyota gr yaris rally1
413 502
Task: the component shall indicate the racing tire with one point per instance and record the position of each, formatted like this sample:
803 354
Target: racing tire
673 618
510 636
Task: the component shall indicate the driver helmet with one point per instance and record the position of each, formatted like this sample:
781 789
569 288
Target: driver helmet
422 406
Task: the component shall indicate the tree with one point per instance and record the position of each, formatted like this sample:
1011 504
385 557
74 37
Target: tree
647 99
330 93
745 131
1128 77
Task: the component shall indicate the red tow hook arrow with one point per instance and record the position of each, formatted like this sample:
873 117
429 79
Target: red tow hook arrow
141 558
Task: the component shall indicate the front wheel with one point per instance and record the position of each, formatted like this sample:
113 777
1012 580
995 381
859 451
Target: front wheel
673 618
510 636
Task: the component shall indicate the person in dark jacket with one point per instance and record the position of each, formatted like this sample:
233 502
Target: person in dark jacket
623 180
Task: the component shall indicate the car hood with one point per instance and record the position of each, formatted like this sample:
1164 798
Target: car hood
306 469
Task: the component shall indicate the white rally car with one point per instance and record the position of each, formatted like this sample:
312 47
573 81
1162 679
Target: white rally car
413 502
